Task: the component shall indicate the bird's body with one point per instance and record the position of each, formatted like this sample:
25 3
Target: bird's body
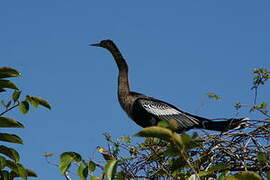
147 111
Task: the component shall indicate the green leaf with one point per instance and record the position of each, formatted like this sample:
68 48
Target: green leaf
171 124
206 173
17 169
121 176
246 175
35 101
16 95
193 177
164 124
219 167
262 157
172 151
8 122
10 138
261 77
82 171
155 131
5 175
10 152
110 169
223 174
92 166
66 159
65 163
22 171
29 172
268 175
94 178
11 165
184 141
75 156
24 107
213 96
6 72
2 162
263 105
7 84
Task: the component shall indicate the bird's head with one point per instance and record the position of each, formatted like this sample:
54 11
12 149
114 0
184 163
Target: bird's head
108 44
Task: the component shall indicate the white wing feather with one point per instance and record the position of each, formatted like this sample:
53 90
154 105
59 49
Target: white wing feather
166 112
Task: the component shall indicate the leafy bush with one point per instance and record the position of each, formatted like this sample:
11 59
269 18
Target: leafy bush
10 165
164 154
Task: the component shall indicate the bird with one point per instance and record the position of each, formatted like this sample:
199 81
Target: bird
147 111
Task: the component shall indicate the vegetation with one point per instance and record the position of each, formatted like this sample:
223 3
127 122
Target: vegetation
10 165
164 154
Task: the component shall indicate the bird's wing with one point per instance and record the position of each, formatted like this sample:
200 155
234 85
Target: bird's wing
167 112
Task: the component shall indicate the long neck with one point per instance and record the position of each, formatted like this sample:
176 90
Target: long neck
123 84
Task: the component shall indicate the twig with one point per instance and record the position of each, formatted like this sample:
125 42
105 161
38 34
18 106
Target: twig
8 109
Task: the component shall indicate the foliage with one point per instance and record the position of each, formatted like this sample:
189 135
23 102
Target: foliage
213 96
261 76
10 165
164 154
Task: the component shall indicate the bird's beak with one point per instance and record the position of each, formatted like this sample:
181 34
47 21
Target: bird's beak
98 45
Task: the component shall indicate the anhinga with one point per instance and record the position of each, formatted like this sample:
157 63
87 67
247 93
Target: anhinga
147 111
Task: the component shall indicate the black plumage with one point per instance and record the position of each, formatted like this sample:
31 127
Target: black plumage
147 111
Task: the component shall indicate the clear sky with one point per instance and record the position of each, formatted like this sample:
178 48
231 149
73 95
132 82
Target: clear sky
177 51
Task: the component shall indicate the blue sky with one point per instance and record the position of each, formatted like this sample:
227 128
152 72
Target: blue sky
177 51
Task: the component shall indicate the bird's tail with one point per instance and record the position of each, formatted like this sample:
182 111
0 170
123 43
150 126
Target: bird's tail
225 125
